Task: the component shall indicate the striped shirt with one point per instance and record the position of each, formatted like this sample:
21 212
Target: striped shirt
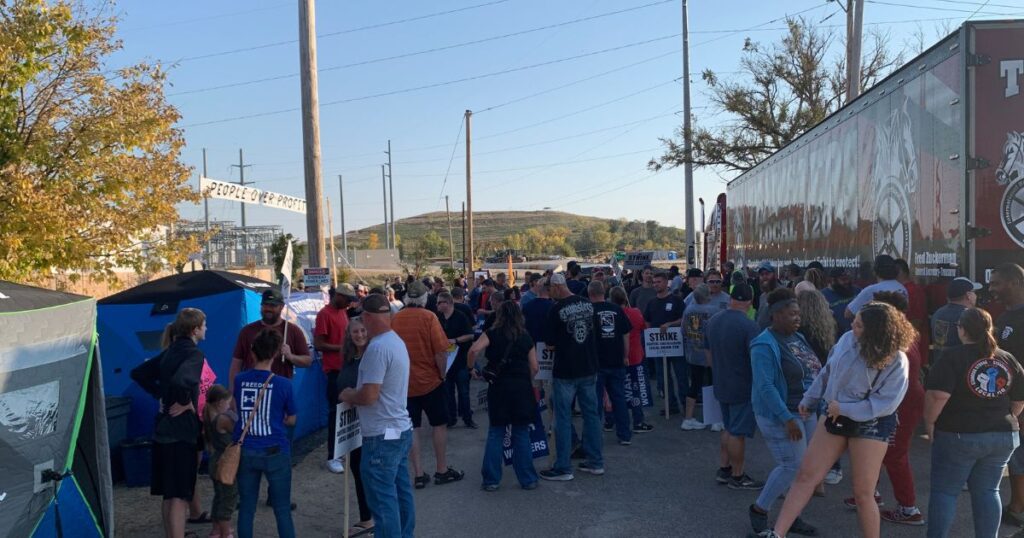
268 429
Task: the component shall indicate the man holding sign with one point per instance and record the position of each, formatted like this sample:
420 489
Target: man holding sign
664 311
459 330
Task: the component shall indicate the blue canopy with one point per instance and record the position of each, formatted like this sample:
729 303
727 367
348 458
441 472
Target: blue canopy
131 323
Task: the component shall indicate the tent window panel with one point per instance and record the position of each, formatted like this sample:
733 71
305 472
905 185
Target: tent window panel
150 340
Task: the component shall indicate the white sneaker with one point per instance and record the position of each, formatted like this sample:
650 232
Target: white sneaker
717 427
335 466
692 424
833 477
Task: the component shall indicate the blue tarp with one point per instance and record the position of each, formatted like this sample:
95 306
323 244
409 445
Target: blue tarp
131 323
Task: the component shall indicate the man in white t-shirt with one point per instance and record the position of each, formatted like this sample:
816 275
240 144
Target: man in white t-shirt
380 400
886 271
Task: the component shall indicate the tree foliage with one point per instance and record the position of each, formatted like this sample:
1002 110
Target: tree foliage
279 248
373 241
785 89
89 164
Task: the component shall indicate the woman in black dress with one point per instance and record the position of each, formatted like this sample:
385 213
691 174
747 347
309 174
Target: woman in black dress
351 352
511 365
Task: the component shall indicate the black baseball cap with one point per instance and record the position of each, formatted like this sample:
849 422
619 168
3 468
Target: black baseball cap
694 273
272 297
376 304
416 289
960 286
742 292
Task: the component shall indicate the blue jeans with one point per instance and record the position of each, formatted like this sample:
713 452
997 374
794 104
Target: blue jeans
277 467
678 380
456 385
976 459
522 456
385 469
583 388
613 380
788 455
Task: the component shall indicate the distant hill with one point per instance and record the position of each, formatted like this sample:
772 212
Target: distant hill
491 227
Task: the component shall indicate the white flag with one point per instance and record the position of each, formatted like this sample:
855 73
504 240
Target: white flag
286 272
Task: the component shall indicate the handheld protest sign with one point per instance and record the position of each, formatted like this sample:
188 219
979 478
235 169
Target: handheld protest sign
546 361
664 344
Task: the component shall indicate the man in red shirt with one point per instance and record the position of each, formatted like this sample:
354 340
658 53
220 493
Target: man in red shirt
328 338
917 311
294 351
428 361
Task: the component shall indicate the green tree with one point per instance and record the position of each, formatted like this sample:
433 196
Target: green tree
791 86
89 158
277 252
433 245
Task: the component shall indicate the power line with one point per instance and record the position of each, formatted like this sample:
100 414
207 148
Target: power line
455 146
421 52
934 8
342 32
982 4
977 10
439 84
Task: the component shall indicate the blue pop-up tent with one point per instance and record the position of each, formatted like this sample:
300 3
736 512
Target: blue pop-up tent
131 323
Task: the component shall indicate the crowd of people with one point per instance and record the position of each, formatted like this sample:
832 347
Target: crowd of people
817 365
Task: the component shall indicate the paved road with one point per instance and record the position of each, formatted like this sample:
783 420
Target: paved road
662 485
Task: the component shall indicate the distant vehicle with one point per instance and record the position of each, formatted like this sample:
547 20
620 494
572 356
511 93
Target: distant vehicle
927 166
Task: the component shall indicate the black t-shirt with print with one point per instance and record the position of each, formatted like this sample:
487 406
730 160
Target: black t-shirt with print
570 330
981 388
610 325
1009 331
660 311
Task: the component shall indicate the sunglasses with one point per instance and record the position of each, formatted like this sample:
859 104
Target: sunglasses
714 281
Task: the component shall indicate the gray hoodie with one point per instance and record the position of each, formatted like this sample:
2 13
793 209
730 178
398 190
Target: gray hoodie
847 379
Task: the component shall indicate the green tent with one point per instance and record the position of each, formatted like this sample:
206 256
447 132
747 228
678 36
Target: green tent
54 454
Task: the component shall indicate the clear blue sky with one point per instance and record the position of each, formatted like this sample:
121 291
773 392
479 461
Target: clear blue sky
592 162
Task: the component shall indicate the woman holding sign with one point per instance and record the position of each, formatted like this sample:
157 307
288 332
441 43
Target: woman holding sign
351 352
511 365
784 366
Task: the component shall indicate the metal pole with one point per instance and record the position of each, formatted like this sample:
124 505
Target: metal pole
241 180
451 242
469 190
341 214
687 147
855 14
206 214
384 189
311 132
391 195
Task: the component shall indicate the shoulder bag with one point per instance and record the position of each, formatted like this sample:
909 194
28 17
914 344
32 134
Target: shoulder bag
227 466
847 427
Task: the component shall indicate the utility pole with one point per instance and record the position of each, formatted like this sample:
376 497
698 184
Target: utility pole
241 181
854 34
341 211
391 195
451 242
687 148
469 191
311 132
206 214
465 271
384 189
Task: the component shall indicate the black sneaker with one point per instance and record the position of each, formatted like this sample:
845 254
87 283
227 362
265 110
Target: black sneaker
608 427
758 520
723 475
556 476
744 482
803 528
643 427
578 454
587 468
451 475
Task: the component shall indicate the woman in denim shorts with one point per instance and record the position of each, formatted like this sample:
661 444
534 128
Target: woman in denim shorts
863 382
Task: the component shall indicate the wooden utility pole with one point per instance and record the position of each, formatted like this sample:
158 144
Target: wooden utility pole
854 33
691 245
391 195
311 132
384 189
206 214
330 234
469 191
451 242
341 214
465 269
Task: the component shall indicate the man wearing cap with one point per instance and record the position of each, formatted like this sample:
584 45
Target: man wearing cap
887 273
428 360
960 296
768 280
380 400
294 351
718 298
328 337
840 291
459 330
570 333
729 334
662 312
694 278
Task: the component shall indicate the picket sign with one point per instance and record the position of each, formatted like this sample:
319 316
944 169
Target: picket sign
546 361
538 437
347 437
664 344
712 410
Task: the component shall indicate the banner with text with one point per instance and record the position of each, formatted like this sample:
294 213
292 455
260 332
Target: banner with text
538 437
347 434
638 391
225 190
663 344
637 260
546 361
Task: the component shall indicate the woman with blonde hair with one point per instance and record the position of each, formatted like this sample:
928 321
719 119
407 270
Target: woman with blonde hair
173 378
863 382
816 322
